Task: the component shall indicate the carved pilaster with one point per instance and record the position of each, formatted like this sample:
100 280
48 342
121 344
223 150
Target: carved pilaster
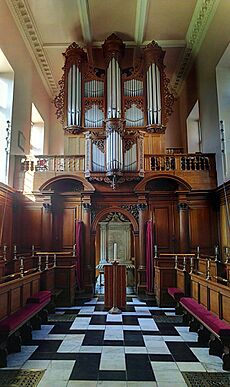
142 207
183 210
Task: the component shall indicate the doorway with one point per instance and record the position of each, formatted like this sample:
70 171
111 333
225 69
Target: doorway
114 230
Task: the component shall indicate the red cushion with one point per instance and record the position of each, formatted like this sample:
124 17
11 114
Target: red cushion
218 326
176 293
39 297
18 318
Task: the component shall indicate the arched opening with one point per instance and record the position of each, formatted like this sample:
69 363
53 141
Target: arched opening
115 227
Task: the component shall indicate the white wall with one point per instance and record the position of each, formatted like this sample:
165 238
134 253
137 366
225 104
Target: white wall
28 89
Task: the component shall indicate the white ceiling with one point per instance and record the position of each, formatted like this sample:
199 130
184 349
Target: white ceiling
49 26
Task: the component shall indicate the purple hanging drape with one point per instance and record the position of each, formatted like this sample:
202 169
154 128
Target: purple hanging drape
149 256
79 231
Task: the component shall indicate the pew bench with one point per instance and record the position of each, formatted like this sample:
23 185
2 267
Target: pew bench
205 323
18 326
177 294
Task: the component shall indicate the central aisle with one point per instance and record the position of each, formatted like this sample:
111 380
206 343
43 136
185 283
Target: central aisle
85 346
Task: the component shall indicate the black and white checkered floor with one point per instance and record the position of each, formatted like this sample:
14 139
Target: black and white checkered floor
140 347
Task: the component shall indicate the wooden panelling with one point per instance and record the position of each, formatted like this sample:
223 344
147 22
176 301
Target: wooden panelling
68 227
214 301
13 294
6 216
4 304
213 295
226 308
65 279
201 228
203 294
164 278
31 232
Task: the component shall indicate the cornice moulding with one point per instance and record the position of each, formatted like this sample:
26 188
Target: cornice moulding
140 23
201 19
83 8
27 27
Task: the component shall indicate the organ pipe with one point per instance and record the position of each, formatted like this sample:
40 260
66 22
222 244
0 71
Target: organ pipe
74 97
153 95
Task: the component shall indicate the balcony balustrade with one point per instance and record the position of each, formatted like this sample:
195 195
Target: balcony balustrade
198 170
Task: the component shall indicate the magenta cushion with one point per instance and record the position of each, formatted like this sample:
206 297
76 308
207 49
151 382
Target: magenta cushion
176 293
18 318
39 297
218 326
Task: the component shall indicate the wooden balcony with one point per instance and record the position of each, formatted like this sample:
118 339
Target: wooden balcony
198 170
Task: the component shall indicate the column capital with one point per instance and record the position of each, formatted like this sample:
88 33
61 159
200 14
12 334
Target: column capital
87 206
142 206
183 206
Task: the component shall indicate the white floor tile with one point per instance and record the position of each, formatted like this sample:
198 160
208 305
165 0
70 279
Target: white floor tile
113 332
113 358
91 348
190 367
172 338
137 350
111 383
142 310
131 328
81 323
93 327
36 364
82 383
164 366
114 318
148 324
174 376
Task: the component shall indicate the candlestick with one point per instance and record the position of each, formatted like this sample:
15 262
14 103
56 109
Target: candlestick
15 252
4 252
39 263
74 250
114 251
21 267
155 251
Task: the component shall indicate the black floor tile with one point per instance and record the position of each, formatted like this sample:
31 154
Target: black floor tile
61 328
133 338
151 303
167 329
138 367
112 375
86 367
49 346
130 320
98 320
181 352
157 313
162 357
93 338
99 307
130 308
113 343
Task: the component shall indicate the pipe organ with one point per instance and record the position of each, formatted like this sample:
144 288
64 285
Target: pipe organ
114 95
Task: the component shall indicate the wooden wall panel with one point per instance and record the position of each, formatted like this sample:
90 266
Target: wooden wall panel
6 217
200 224
31 227
68 227
163 224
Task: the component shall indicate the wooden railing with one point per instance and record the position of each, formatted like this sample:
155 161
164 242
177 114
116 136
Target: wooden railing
54 163
154 163
179 162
